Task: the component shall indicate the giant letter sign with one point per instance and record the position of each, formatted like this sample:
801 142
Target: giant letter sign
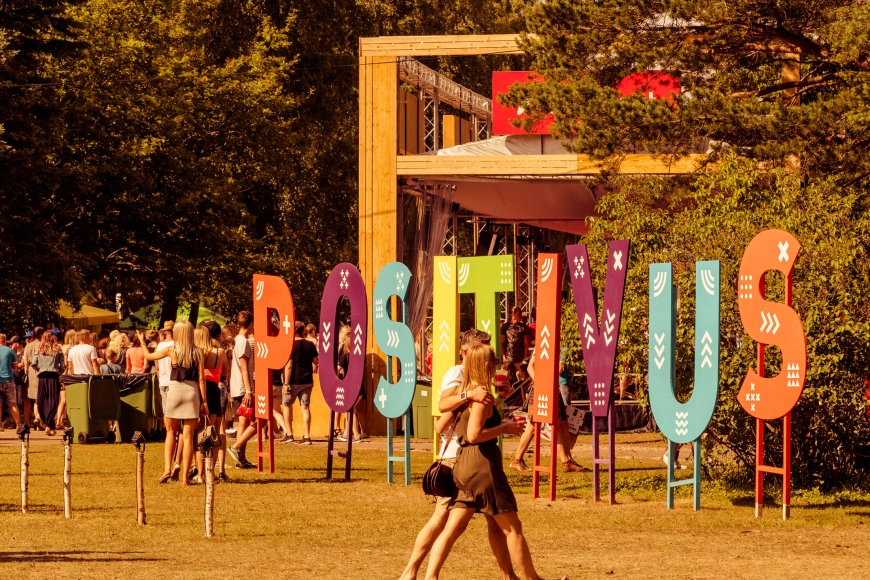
771 323
394 338
599 341
545 406
683 422
274 322
485 277
599 345
344 280
445 325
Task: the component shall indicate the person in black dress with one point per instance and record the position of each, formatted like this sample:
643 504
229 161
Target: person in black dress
482 486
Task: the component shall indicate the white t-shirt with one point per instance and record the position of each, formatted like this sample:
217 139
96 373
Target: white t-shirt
82 357
164 365
241 349
452 379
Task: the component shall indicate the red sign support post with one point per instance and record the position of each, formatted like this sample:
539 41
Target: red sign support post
768 398
545 405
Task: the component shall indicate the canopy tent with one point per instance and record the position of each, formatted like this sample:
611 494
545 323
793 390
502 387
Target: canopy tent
149 317
89 317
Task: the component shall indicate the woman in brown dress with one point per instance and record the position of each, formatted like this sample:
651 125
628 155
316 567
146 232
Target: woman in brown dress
479 474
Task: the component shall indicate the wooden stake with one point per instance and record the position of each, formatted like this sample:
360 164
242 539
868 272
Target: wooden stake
67 476
25 465
140 487
209 495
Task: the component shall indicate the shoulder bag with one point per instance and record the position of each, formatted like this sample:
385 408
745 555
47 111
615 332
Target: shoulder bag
438 479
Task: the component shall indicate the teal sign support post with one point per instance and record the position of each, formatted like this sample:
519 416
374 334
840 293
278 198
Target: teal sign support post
394 338
683 422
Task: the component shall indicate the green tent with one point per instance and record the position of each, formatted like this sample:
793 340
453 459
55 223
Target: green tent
149 317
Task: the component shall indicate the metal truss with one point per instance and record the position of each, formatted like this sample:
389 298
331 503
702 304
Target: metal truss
526 256
431 120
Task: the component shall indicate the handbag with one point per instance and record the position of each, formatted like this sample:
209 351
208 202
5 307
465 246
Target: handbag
245 412
438 479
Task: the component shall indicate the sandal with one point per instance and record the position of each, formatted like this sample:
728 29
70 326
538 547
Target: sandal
176 470
164 478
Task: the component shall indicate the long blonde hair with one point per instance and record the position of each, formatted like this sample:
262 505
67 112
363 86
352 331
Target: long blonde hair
202 337
70 338
186 351
480 364
344 340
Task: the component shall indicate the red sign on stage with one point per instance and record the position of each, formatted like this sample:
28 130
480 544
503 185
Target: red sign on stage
502 116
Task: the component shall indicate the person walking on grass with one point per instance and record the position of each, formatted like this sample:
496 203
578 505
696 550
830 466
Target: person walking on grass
8 389
48 364
452 400
299 382
482 486
241 387
30 409
82 358
215 365
186 396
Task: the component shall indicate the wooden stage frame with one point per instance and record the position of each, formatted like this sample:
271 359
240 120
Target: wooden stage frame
381 165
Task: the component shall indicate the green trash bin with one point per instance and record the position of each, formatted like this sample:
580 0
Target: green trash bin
424 422
136 407
90 406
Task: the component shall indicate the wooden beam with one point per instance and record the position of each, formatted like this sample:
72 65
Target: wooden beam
538 165
378 208
456 45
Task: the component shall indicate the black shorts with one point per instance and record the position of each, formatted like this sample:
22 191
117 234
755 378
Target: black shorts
213 398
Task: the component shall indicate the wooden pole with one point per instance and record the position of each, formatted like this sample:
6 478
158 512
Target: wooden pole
209 495
67 476
25 465
140 487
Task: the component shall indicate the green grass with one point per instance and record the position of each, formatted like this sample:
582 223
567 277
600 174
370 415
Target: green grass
294 524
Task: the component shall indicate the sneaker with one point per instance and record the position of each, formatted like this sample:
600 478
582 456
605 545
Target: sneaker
677 464
192 473
231 432
305 441
572 466
364 436
196 480
247 464
234 453
222 478
357 440
519 465
342 438
176 469
288 439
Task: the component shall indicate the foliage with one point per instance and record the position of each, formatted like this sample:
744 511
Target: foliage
774 79
713 217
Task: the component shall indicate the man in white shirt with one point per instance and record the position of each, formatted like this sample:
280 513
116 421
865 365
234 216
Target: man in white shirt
451 400
83 356
242 387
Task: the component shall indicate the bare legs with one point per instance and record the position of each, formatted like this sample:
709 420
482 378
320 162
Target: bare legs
423 544
187 454
287 413
245 432
61 409
507 526
169 445
562 451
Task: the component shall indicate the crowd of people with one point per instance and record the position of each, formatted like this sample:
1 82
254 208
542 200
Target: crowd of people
205 376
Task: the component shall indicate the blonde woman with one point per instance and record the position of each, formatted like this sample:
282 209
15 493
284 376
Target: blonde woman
120 342
215 363
482 486
185 397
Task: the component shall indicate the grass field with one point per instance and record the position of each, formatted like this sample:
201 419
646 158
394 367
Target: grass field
294 524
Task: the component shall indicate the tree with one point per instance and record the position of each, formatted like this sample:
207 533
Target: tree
777 81
713 218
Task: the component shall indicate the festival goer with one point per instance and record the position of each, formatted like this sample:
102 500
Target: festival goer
451 400
18 374
101 348
228 342
516 339
164 377
242 387
49 365
482 485
120 342
111 366
213 363
8 390
358 427
214 332
136 355
186 397
32 378
299 382
311 335
565 441
83 356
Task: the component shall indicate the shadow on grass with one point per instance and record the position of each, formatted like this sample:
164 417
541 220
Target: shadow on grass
74 556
